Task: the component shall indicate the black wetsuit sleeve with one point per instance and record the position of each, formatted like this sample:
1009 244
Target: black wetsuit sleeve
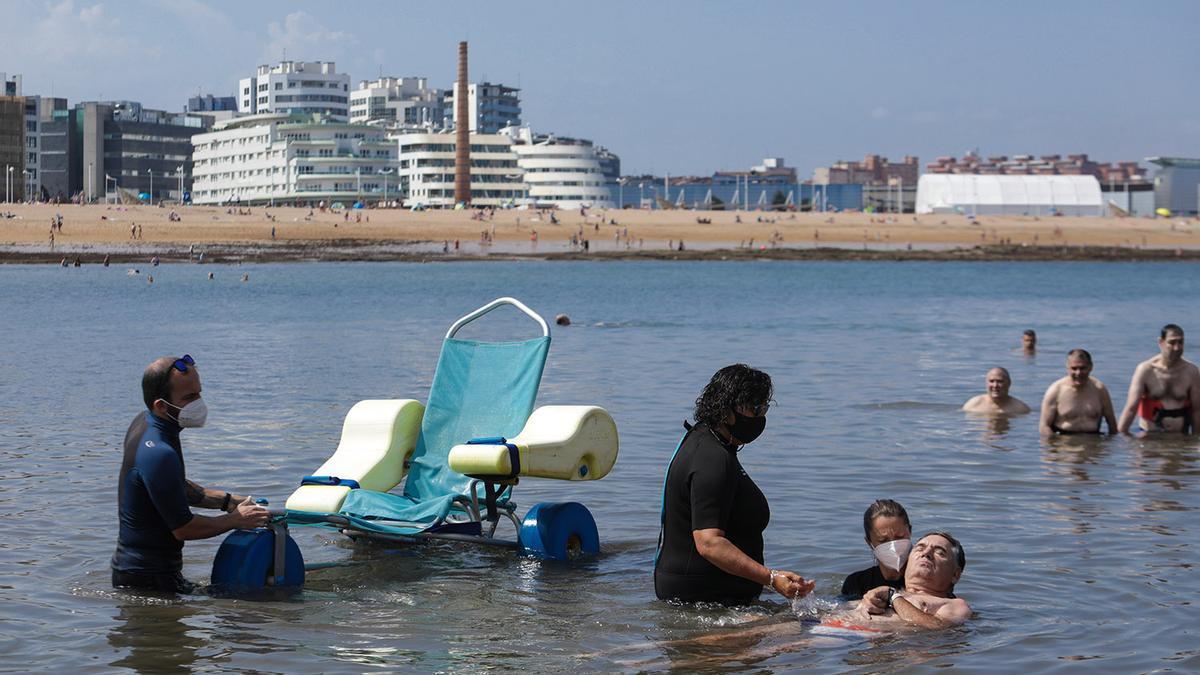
713 486
163 475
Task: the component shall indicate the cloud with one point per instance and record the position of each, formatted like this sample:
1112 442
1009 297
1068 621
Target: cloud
305 39
880 113
73 35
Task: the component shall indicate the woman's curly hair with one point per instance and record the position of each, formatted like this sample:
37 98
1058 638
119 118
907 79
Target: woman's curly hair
733 386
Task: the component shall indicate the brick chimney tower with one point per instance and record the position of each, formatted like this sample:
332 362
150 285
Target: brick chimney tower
462 133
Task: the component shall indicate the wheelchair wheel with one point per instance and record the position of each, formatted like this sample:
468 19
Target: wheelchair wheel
244 561
559 531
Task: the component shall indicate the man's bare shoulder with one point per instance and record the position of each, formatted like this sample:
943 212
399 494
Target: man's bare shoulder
976 403
1097 384
1016 406
955 611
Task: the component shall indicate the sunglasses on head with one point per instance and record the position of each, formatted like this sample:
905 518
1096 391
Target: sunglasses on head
181 364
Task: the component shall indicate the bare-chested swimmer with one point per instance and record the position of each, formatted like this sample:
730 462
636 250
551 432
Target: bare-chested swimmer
997 401
1164 393
1077 403
1029 342
935 564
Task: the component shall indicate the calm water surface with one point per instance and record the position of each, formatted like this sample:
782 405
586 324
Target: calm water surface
1080 554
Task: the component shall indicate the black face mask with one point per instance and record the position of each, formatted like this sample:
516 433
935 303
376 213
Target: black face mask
745 429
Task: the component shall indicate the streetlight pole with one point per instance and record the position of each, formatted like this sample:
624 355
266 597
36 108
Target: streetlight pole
181 185
91 171
385 173
151 186
7 190
358 181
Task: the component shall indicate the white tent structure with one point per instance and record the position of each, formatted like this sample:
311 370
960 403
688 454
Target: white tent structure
1009 195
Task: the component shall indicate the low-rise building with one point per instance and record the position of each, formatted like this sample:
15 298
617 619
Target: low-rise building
12 147
427 170
271 158
126 147
40 149
399 102
490 106
296 87
1177 184
872 171
563 172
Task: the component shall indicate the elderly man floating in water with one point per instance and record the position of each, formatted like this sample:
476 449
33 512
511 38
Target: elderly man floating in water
935 564
1077 403
1164 393
997 401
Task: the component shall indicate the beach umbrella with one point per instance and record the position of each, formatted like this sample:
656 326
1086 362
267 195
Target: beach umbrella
358 205
1165 213
144 196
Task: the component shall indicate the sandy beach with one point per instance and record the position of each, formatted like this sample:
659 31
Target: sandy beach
134 232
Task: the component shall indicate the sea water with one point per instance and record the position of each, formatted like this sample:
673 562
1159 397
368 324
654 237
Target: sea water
1079 550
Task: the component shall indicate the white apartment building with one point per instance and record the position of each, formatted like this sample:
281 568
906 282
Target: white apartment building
272 157
427 170
491 106
296 87
563 172
404 102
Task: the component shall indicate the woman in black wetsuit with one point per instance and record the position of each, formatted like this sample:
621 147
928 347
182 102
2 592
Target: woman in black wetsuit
888 532
713 515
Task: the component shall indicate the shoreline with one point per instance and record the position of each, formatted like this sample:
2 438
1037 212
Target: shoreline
349 250
137 233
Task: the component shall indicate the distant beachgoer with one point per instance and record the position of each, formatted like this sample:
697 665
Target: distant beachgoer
106 260
1164 394
133 231
272 232
246 277
562 320
1077 403
210 276
888 532
149 278
1029 342
997 401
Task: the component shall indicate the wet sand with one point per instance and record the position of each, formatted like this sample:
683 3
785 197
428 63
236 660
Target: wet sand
91 232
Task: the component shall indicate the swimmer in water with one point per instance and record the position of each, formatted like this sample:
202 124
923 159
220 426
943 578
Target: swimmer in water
927 601
997 401
1029 342
1164 394
1077 403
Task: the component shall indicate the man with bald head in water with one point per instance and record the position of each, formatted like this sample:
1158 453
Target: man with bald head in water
997 401
1077 403
153 494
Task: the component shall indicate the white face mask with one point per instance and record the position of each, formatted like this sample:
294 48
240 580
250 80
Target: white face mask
893 554
192 415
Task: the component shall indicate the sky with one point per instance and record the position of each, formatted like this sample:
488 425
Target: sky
684 87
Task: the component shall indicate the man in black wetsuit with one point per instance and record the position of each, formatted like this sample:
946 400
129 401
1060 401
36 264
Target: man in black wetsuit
153 494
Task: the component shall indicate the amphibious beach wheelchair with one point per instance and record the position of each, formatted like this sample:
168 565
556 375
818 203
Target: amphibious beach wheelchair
459 456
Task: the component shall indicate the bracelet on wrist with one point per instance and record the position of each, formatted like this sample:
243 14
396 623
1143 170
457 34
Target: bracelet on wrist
225 503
